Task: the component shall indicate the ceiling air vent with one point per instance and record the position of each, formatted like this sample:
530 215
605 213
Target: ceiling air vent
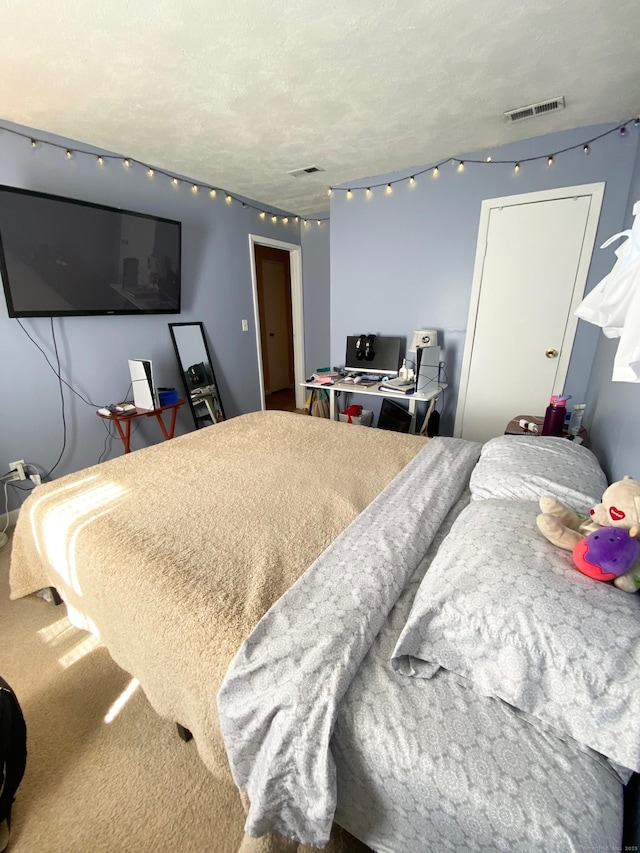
308 170
535 109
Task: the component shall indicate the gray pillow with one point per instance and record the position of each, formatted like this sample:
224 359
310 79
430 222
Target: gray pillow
508 612
525 468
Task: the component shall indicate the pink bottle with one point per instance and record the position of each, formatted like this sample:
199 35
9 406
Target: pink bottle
555 415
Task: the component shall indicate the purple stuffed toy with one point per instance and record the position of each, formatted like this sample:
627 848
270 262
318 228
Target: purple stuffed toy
607 553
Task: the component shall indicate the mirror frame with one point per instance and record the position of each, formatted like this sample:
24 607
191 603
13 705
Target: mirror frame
197 419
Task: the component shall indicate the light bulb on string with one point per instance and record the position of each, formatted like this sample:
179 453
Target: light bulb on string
489 158
319 221
274 219
34 144
516 169
550 160
285 220
69 154
262 214
212 193
297 219
100 161
126 162
412 181
349 194
228 199
369 193
436 172
330 191
586 149
461 166
623 131
194 188
174 181
150 172
389 189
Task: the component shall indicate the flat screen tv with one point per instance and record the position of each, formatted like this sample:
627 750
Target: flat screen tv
62 258
384 359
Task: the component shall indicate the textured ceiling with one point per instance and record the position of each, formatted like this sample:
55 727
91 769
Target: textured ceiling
237 93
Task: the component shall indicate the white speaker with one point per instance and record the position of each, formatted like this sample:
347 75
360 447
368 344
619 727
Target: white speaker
424 338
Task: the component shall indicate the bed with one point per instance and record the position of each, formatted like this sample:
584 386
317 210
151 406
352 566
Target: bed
266 581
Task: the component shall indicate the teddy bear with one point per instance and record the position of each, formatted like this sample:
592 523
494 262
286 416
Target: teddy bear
620 507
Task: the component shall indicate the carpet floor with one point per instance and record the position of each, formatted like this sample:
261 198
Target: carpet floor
104 771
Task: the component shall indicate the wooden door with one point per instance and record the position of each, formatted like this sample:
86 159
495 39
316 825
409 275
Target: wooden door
276 325
532 260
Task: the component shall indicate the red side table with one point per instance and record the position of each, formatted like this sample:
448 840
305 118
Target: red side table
120 419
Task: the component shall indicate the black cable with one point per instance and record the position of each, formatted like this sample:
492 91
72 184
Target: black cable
62 403
57 373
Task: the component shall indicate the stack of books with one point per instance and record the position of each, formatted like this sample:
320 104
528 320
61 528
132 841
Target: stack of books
325 377
398 386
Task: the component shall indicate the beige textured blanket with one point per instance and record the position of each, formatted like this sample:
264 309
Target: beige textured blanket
173 553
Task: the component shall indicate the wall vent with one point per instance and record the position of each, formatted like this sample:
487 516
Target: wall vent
533 110
308 170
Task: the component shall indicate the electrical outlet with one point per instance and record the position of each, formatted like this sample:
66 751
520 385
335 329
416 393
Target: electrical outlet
18 467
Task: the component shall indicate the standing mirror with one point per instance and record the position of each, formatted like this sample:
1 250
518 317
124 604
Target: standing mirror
197 373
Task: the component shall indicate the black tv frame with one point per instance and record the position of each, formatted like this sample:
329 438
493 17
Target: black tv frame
136 311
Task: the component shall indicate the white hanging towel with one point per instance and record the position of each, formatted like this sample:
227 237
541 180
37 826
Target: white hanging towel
614 303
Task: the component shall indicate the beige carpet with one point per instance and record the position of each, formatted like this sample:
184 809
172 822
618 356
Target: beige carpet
90 785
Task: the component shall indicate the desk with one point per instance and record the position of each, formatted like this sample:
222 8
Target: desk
373 391
125 434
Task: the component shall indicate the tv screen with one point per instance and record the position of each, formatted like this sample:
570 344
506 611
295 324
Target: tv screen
386 356
60 257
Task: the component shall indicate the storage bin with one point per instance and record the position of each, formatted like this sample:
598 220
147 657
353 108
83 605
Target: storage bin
363 419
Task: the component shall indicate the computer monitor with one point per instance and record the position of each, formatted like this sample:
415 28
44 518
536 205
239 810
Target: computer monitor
386 356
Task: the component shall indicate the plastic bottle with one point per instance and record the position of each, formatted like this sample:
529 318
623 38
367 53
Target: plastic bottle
577 413
403 373
555 414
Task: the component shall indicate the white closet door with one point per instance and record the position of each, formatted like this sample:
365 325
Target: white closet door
533 257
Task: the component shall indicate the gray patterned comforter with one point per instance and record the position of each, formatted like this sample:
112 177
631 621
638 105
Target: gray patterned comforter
279 700
318 726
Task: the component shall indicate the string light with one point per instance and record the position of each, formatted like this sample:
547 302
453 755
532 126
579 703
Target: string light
349 194
262 214
127 162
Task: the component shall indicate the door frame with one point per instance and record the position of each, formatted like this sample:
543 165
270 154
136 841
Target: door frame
297 313
596 191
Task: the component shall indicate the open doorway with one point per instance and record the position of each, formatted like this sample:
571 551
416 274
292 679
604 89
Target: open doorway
277 294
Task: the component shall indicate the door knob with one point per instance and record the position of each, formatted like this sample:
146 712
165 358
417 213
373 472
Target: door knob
551 353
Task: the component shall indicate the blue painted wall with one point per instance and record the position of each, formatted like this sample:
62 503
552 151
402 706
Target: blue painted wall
404 260
315 275
613 408
216 281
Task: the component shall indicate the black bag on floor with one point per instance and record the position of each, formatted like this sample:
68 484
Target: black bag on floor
13 748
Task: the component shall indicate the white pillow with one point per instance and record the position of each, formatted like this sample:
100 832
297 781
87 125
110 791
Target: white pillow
513 467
